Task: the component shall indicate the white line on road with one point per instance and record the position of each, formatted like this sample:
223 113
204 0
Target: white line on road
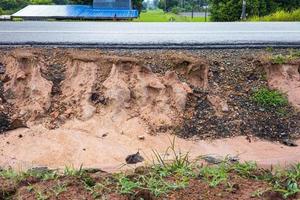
131 32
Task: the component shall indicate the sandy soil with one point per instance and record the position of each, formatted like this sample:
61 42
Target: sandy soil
93 108
81 143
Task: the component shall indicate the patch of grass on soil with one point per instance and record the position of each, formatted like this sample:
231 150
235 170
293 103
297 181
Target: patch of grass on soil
161 16
226 180
283 59
269 98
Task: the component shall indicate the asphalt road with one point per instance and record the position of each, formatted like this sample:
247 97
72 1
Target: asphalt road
150 35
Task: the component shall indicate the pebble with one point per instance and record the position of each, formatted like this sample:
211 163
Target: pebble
141 137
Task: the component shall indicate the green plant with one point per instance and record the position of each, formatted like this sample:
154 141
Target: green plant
269 98
126 186
71 171
285 181
99 188
258 193
157 185
40 195
279 59
180 164
245 169
214 175
41 174
280 15
9 174
270 49
59 188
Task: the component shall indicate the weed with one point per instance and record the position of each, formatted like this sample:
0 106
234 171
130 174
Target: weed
285 181
280 15
282 59
245 170
70 171
30 188
41 174
127 186
40 195
215 175
9 174
98 189
269 98
179 166
279 59
59 188
270 49
258 193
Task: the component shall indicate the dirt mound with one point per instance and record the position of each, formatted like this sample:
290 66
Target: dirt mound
286 78
158 100
50 92
24 86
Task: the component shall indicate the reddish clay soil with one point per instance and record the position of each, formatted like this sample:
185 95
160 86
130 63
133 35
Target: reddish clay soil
73 188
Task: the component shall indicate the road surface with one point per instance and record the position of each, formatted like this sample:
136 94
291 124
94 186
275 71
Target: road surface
150 35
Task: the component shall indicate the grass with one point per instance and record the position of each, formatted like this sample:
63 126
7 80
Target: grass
59 188
19 176
269 98
214 175
279 16
161 16
283 59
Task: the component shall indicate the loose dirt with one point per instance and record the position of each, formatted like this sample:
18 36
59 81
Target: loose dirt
69 107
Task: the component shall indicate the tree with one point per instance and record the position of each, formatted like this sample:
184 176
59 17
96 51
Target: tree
61 2
243 15
230 10
41 2
137 4
81 2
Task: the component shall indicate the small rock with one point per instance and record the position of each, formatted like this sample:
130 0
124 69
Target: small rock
98 98
17 123
289 142
20 136
225 107
104 135
2 68
141 137
93 170
134 158
212 159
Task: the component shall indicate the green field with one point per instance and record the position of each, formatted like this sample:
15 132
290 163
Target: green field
279 16
161 16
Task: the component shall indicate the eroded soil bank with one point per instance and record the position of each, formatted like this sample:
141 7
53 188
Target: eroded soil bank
91 107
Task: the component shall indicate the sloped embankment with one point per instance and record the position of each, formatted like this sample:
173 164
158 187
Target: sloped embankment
189 94
61 95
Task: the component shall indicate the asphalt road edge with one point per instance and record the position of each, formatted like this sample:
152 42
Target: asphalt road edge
153 46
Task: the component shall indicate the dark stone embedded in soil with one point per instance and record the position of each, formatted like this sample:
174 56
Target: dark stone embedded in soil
98 98
134 158
4 123
2 68
289 142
